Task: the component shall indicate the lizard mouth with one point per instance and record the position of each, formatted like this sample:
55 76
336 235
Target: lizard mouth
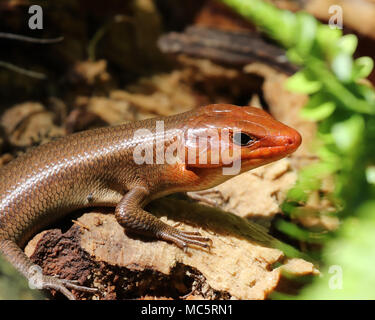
270 152
279 146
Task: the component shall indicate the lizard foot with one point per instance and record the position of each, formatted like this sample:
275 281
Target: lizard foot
38 280
185 239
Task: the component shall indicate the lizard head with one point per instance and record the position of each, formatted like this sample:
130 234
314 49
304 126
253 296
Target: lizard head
224 136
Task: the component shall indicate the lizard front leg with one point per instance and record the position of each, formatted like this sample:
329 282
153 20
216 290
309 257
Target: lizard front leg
130 215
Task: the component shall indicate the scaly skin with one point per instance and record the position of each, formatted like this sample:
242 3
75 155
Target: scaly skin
97 168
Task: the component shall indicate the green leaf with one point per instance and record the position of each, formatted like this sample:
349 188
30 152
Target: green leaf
301 83
326 154
294 56
318 108
318 112
367 93
298 194
349 134
327 39
309 180
348 44
278 24
296 232
343 93
370 174
342 66
307 26
362 67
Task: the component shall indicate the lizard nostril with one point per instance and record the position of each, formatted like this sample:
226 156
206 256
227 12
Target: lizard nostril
295 139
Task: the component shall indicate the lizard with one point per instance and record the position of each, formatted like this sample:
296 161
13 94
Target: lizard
128 165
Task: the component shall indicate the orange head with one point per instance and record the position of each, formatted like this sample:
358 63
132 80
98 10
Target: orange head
222 135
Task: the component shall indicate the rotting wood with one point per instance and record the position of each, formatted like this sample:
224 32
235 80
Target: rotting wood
243 263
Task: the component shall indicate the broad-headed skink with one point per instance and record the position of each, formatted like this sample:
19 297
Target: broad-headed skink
127 166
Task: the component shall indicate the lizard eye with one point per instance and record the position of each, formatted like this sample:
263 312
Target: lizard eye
242 139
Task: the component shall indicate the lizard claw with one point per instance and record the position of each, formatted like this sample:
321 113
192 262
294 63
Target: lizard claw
38 280
186 239
62 285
